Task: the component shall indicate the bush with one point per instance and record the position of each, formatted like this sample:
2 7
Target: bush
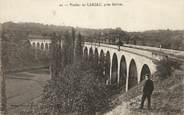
75 90
166 67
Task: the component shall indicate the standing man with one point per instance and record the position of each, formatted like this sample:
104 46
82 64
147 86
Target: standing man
147 91
119 44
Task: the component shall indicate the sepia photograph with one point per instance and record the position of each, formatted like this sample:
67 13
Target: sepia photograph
91 57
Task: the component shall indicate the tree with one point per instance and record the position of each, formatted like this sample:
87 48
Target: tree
3 54
166 66
73 43
56 56
78 49
67 48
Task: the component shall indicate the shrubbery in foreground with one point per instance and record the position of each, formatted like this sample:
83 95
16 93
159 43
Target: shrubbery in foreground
75 91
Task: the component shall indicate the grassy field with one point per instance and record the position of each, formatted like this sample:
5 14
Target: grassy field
23 87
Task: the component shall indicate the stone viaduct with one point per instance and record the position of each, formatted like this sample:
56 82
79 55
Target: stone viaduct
43 44
122 65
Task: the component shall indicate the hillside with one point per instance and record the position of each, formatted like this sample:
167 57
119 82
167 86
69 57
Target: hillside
170 39
167 98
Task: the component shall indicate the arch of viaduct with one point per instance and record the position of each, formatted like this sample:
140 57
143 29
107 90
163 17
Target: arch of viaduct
124 66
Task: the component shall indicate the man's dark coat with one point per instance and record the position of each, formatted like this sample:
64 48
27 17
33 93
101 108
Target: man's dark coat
148 87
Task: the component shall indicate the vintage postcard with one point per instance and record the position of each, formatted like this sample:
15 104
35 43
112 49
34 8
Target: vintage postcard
91 57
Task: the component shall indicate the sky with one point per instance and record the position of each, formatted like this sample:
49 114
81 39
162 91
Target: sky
133 15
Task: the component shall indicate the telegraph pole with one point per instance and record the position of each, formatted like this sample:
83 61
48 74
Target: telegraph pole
3 110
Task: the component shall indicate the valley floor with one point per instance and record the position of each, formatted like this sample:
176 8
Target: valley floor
24 87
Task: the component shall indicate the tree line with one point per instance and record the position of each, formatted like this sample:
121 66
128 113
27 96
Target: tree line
170 39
